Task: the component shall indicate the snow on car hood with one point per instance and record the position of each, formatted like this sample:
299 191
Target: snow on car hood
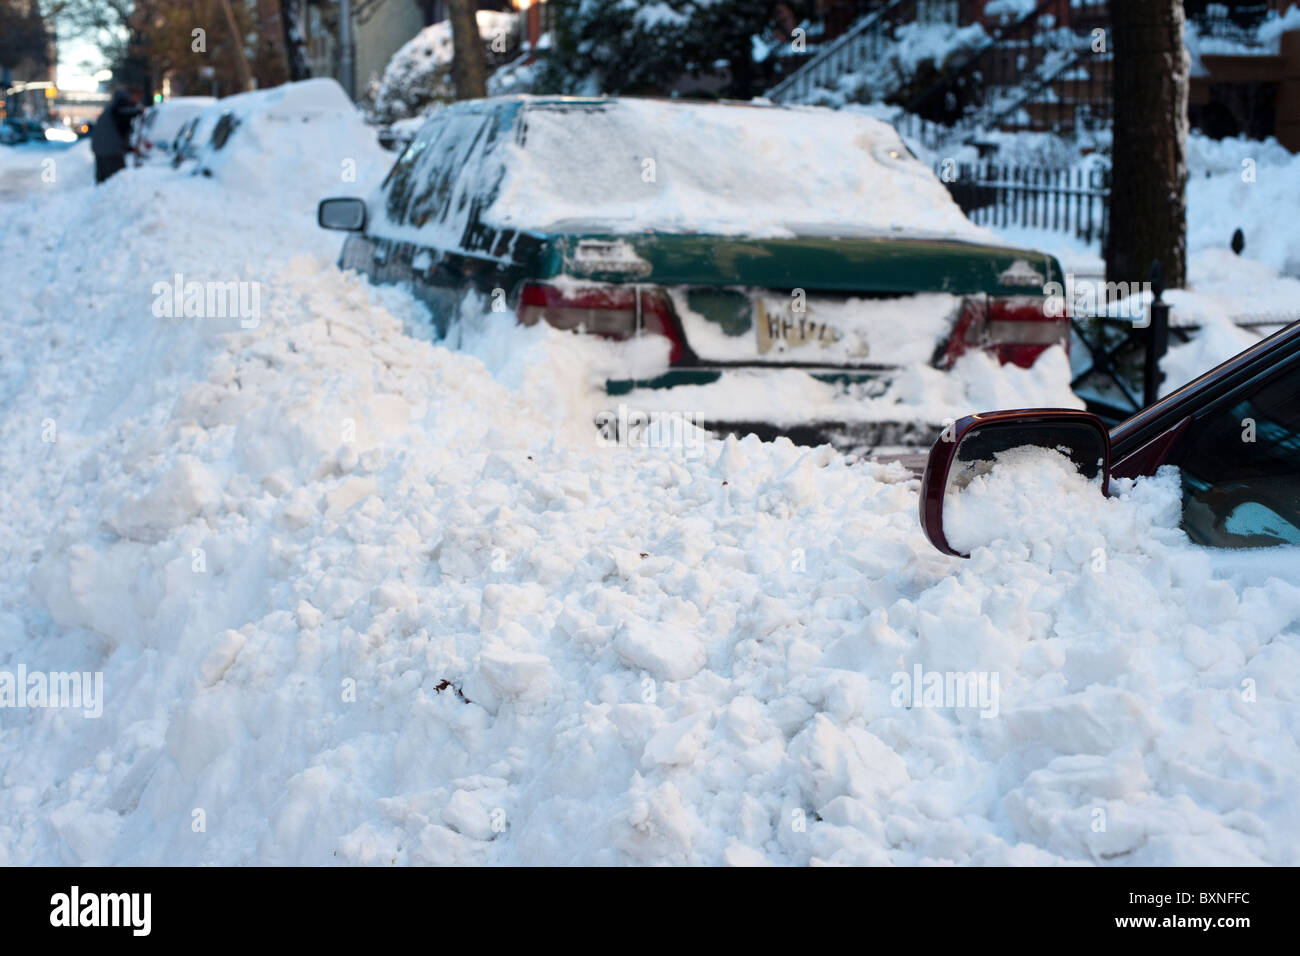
362 600
632 165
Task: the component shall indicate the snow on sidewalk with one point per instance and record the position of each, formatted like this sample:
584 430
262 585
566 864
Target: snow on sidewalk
356 600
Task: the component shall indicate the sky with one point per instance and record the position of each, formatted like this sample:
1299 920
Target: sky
74 53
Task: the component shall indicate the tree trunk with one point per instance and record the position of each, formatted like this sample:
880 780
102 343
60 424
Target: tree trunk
237 43
1148 199
468 64
295 44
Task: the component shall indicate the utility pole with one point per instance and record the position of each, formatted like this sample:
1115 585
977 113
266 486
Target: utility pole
347 58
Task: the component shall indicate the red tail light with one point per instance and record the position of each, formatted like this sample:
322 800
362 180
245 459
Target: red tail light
1016 330
614 311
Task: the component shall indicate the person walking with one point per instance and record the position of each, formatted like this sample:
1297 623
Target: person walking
111 137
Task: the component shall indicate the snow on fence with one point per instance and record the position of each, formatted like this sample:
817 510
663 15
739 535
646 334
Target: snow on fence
1030 197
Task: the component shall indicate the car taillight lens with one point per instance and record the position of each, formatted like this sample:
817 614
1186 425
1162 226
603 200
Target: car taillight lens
1016 330
608 310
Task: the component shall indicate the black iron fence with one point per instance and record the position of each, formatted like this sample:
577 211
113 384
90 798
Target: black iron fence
1065 200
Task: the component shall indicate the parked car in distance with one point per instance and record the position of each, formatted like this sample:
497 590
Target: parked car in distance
192 133
156 133
22 129
1237 493
739 236
310 126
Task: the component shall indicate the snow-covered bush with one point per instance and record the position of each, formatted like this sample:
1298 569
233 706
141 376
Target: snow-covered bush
623 46
918 58
419 74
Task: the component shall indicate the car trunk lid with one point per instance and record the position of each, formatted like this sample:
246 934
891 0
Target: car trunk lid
836 303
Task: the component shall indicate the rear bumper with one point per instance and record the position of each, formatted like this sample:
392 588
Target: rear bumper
848 434
851 438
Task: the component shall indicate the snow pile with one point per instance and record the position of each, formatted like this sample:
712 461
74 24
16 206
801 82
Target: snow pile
355 600
293 144
29 167
1241 184
1233 302
917 393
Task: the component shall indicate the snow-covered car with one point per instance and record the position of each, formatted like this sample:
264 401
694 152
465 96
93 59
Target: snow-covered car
1233 433
155 134
727 236
294 143
193 133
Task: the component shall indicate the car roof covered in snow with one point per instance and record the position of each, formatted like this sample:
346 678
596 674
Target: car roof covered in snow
624 165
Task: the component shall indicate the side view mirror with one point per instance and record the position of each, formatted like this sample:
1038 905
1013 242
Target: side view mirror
346 214
970 447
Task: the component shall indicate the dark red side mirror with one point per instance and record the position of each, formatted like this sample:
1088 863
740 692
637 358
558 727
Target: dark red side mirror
970 446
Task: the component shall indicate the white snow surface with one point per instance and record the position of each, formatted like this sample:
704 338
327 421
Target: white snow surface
432 622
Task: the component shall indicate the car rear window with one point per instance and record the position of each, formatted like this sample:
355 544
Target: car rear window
633 165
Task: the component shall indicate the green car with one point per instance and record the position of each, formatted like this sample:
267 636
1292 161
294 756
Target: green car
722 239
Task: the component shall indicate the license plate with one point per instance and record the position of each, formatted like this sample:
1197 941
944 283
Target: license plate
783 329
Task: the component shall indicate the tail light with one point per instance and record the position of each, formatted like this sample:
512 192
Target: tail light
1014 329
613 311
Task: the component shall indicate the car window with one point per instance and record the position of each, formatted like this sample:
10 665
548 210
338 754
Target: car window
441 169
226 125
1241 468
401 178
449 174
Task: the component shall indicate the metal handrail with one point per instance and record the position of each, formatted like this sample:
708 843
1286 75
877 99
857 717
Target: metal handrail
840 43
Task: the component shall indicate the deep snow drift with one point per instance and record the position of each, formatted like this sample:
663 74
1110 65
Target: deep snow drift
358 599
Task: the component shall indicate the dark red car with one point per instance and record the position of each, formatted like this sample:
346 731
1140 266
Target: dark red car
1234 433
